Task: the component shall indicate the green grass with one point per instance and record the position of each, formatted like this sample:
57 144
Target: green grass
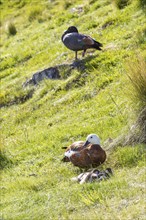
11 29
137 75
38 121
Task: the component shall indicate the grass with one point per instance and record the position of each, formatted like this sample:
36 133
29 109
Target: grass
38 121
34 13
137 76
120 4
11 29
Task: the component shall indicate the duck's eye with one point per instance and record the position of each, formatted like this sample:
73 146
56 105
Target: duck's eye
91 137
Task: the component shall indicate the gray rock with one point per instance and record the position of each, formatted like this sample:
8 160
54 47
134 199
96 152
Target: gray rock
54 72
50 73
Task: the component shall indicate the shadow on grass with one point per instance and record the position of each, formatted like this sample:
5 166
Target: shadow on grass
5 162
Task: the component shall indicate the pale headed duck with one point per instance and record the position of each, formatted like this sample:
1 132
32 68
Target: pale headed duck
89 154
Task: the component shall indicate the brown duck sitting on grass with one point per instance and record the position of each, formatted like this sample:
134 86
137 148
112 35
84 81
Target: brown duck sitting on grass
86 154
75 41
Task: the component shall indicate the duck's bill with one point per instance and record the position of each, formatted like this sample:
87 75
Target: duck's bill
86 143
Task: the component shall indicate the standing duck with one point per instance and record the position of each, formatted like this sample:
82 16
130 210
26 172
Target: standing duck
89 154
75 41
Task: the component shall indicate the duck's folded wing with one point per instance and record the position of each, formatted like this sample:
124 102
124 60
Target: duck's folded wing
86 40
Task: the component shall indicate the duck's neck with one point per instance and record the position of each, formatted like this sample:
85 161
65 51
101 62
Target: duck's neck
64 35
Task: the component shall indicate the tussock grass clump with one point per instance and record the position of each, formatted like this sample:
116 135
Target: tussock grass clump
142 4
141 36
136 72
120 4
11 29
137 75
137 95
34 13
4 160
67 4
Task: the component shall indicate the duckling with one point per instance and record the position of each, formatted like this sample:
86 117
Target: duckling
89 154
93 175
75 41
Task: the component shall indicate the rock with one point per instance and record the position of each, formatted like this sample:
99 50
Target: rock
54 72
50 73
79 9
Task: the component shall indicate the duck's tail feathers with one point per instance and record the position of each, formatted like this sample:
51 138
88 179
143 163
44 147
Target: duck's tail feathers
65 159
64 147
97 45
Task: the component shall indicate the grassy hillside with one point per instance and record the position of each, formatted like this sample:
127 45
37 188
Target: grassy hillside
38 121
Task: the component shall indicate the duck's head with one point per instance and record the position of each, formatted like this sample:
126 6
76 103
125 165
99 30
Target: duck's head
92 139
71 29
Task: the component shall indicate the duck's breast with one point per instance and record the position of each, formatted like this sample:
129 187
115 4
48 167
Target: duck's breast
97 154
81 159
74 41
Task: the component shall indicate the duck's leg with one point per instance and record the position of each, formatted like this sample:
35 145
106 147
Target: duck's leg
76 55
83 54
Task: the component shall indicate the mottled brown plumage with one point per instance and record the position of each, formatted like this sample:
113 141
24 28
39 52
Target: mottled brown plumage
90 156
81 159
77 146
